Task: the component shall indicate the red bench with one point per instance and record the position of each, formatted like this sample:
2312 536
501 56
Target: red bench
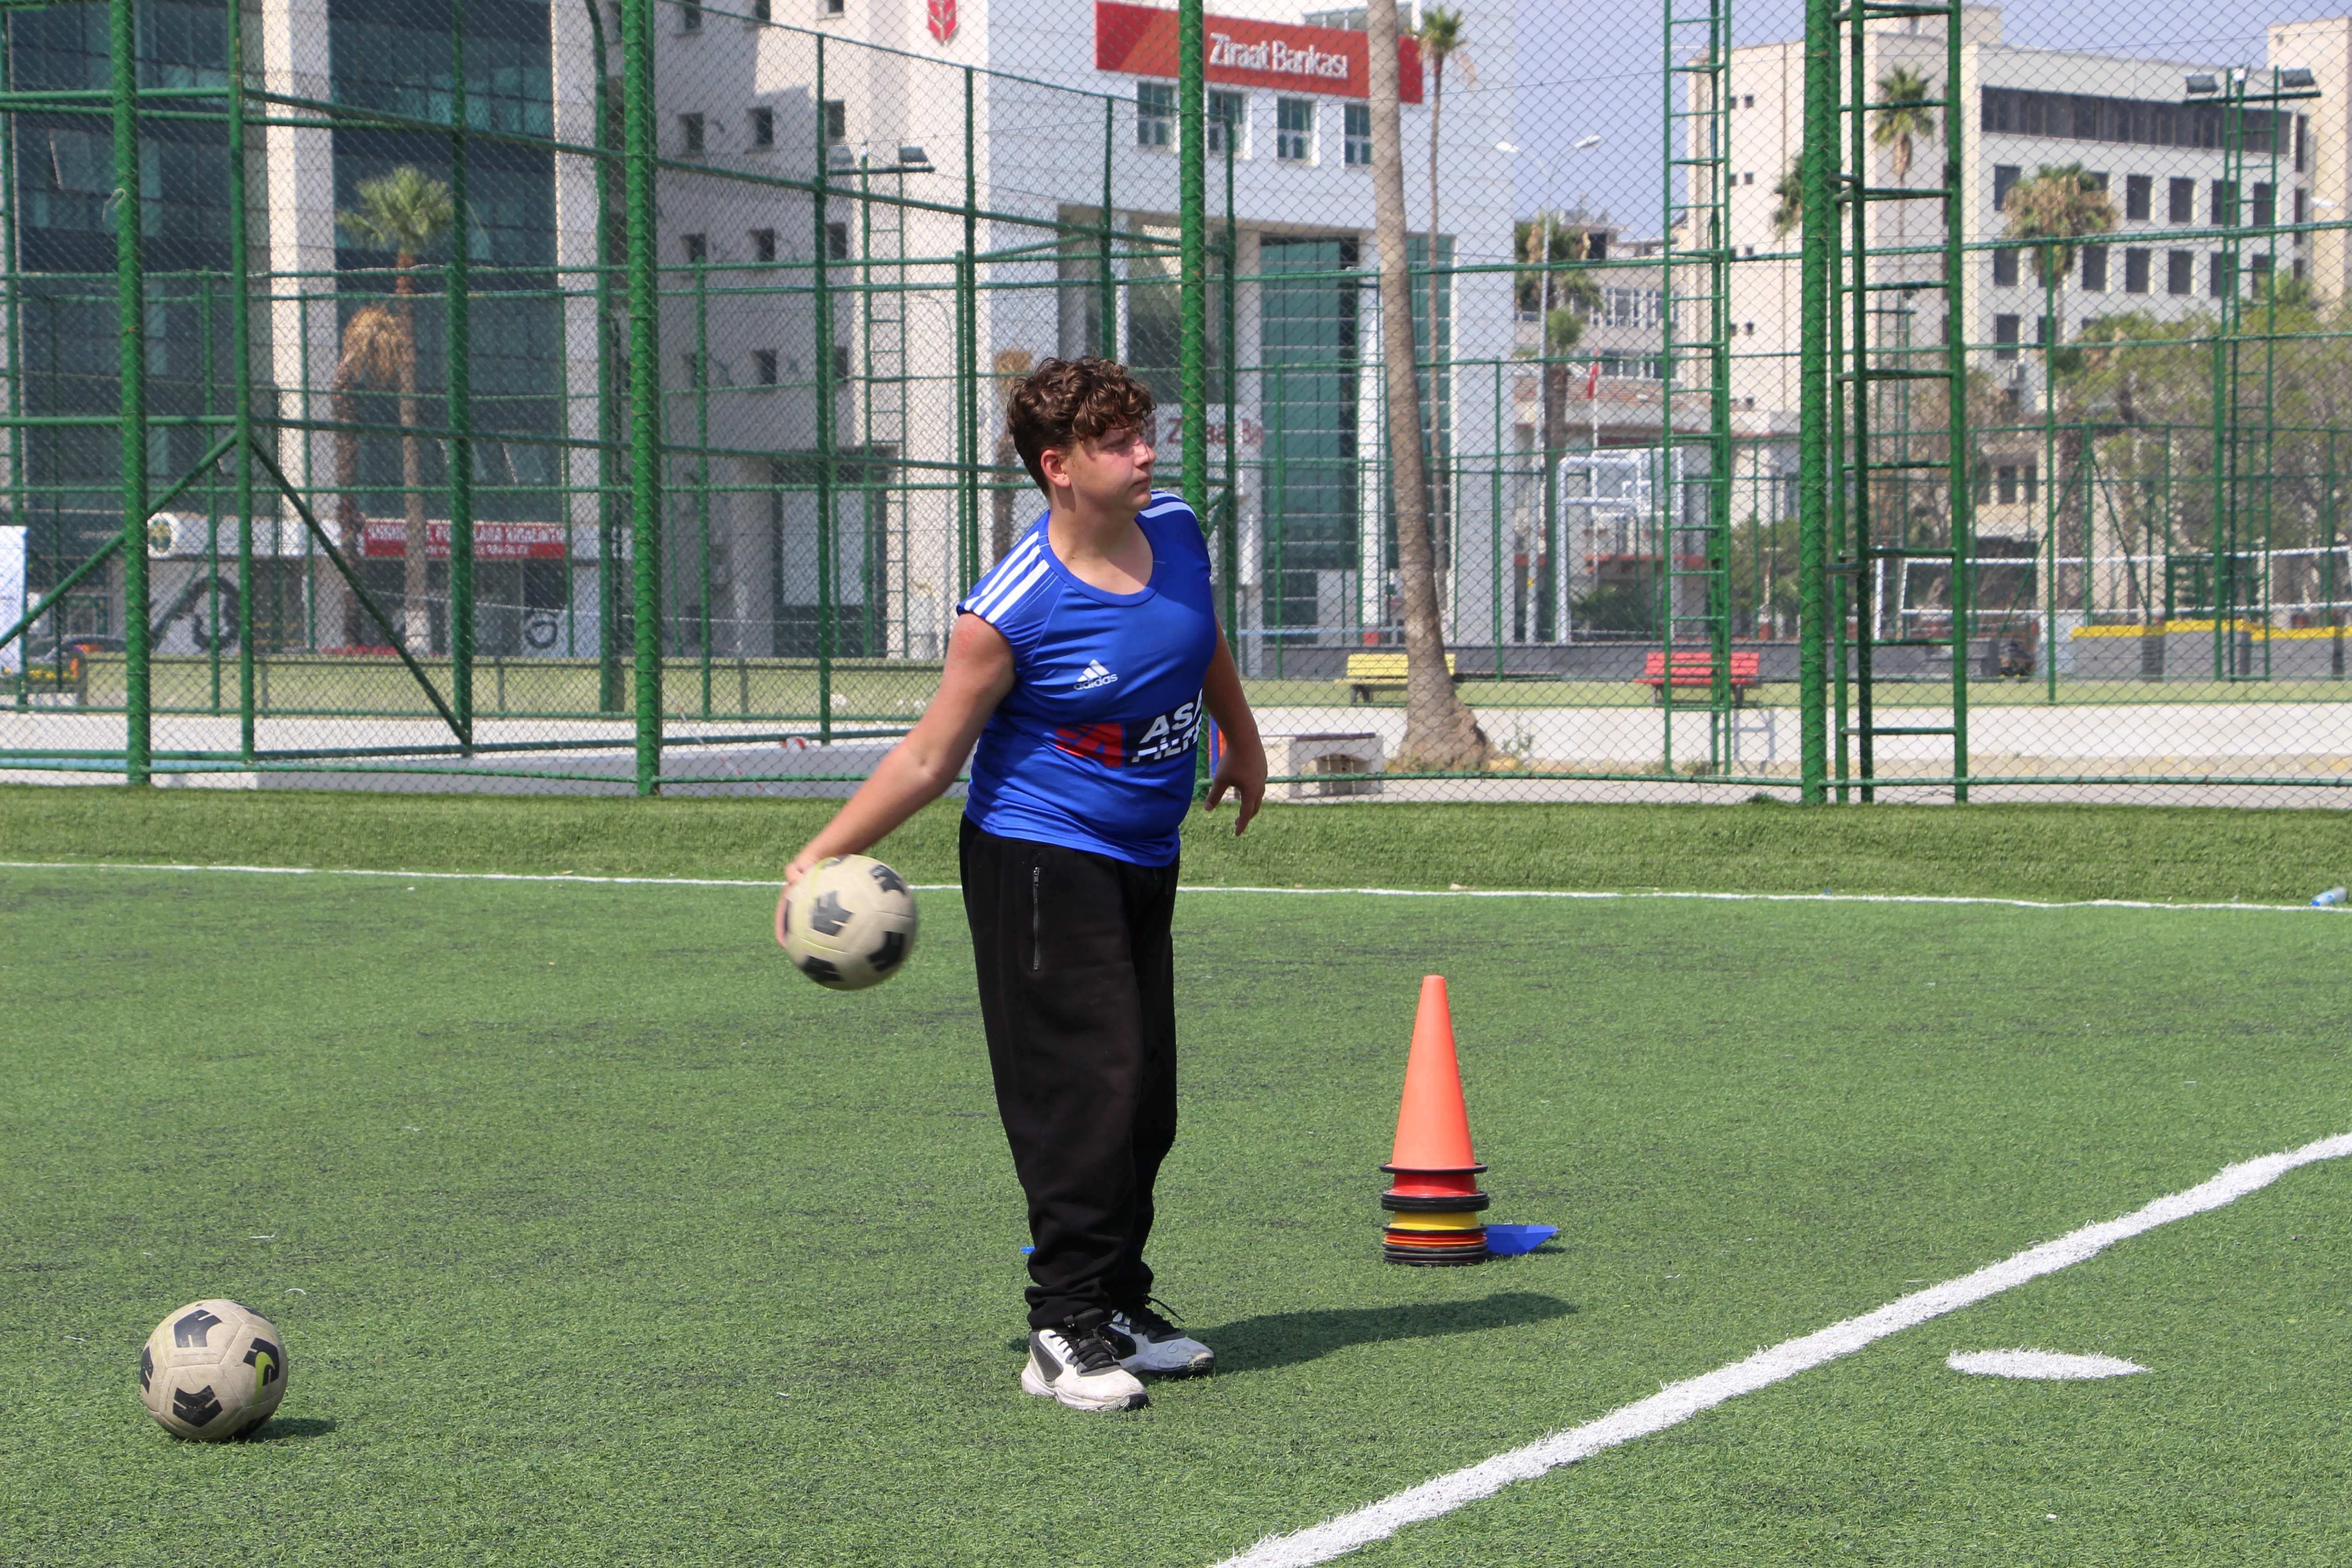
1695 668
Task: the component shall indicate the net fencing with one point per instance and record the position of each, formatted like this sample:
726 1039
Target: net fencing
1906 402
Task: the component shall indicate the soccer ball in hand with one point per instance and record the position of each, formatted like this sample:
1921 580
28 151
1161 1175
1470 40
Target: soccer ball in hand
213 1371
849 924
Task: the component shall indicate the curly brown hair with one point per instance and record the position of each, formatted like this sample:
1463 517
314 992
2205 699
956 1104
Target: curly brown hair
1065 401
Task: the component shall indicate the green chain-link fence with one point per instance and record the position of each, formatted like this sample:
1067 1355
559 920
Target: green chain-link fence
1897 401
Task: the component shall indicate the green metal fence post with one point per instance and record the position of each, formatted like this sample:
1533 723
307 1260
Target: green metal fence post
1819 255
608 425
1107 344
1192 249
1960 468
821 277
241 347
644 379
461 400
130 311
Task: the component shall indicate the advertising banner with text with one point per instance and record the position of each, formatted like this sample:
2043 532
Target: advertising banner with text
1335 62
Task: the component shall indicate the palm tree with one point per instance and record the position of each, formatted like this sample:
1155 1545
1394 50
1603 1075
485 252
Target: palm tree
373 353
1440 732
1440 35
406 213
1564 297
2054 212
1902 117
1788 214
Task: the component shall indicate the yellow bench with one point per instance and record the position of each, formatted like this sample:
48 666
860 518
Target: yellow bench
1372 672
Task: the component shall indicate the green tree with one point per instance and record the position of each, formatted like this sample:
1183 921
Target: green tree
373 351
2054 212
1789 197
407 214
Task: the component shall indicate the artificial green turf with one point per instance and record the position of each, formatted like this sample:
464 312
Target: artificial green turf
597 1237
2009 851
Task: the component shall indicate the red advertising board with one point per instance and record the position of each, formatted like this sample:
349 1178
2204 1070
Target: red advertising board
492 541
1334 62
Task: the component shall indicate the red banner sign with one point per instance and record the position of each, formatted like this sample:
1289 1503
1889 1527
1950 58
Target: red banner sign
387 536
1335 62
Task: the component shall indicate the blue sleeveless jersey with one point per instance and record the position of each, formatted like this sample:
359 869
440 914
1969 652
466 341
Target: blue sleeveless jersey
1093 747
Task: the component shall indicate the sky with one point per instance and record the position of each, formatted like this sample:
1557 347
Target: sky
1585 69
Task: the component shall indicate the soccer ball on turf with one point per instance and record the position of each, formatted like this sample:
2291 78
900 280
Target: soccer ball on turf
213 1371
849 924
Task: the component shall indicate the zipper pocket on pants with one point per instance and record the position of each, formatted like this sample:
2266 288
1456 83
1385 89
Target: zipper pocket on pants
1036 918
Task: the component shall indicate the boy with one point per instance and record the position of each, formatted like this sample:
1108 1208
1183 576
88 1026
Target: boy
1081 663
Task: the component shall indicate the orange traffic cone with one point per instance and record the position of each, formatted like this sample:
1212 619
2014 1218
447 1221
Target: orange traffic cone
1434 1205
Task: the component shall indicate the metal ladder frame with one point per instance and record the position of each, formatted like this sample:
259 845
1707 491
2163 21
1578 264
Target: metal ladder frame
1697 155
1858 370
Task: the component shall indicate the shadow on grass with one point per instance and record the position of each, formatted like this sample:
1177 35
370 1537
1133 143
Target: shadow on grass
1284 1339
289 1429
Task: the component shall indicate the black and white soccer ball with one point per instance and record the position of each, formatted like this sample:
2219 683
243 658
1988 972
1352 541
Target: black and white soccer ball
213 1371
849 924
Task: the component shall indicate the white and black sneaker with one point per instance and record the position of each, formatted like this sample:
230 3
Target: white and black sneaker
1147 1342
1077 1363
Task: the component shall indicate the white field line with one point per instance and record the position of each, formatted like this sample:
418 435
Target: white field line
1678 1402
1274 892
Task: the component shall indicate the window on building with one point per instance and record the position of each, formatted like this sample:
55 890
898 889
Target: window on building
2261 272
1357 137
2041 331
2223 211
2004 178
2218 275
689 133
1155 114
841 362
2139 196
2265 204
697 247
763 245
2005 484
831 7
2004 336
836 241
2130 121
836 122
689 19
2136 270
2179 271
1748 100
2004 267
2180 201
2302 207
2094 268
2030 474
763 366
1294 130
763 128
1226 114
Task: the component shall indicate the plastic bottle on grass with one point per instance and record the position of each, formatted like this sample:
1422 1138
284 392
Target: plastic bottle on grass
2332 897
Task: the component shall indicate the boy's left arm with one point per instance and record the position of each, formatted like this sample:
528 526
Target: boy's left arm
1241 763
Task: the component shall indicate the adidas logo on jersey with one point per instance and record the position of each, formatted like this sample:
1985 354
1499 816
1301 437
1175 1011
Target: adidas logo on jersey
1095 674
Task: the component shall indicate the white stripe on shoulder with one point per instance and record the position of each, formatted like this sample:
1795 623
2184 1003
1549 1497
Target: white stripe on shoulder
999 604
1001 575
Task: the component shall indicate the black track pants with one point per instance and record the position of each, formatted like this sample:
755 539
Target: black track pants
1077 993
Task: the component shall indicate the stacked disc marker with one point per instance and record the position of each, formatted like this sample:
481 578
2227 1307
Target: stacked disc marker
1434 1205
